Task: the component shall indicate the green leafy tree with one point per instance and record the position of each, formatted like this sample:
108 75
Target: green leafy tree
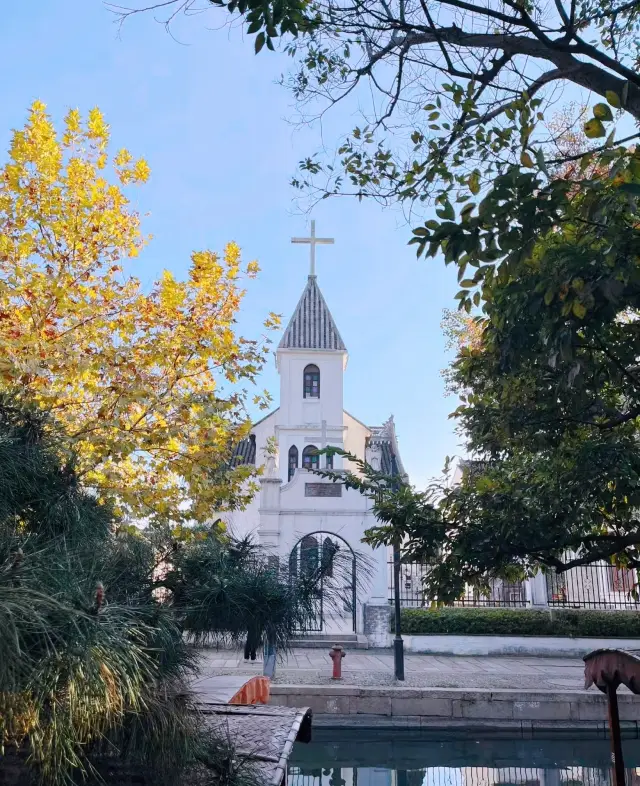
451 93
551 391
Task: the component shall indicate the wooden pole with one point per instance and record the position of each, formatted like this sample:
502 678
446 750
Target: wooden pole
616 739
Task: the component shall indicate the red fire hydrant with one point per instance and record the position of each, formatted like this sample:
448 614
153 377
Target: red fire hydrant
336 655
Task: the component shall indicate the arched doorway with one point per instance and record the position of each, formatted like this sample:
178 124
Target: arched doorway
332 562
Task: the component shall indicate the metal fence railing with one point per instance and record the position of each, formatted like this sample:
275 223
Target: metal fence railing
412 595
597 586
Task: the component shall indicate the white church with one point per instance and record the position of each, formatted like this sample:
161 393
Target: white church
297 515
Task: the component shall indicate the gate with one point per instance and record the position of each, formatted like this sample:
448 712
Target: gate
330 561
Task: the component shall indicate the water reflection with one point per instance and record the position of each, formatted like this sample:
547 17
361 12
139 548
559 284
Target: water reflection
396 759
456 776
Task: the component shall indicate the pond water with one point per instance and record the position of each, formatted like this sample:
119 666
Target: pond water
400 757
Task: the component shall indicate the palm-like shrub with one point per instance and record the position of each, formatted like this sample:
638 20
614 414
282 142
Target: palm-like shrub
93 615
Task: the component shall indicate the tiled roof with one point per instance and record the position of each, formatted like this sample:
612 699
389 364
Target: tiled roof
388 462
312 326
385 438
245 452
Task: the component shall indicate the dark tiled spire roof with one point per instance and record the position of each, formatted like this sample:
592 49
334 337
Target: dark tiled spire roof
312 326
245 452
388 463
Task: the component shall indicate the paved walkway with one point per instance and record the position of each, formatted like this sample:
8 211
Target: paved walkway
372 668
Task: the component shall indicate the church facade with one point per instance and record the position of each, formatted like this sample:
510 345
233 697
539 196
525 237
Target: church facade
297 515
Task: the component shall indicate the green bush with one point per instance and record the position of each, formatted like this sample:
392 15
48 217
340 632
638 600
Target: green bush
521 622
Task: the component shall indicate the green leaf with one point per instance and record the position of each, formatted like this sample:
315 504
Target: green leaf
602 112
467 283
613 99
548 297
446 212
466 211
579 309
260 40
542 166
585 161
593 128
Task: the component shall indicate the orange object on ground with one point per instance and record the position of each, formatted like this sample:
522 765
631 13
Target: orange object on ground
256 691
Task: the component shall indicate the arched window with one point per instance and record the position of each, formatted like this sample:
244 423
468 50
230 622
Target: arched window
311 386
329 551
309 557
293 564
310 457
293 461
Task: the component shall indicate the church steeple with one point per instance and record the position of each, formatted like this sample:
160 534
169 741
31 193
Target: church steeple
312 326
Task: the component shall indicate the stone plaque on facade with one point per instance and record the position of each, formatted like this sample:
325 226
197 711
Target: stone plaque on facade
322 490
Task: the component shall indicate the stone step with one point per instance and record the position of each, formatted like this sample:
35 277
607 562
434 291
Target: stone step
322 636
324 641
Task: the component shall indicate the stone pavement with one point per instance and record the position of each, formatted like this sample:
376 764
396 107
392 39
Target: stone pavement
374 668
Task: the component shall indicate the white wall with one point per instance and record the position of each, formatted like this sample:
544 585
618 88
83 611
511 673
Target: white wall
557 646
356 434
294 409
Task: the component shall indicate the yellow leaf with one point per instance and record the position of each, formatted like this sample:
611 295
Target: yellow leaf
613 99
594 128
525 159
474 181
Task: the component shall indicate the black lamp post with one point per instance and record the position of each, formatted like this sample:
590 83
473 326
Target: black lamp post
398 644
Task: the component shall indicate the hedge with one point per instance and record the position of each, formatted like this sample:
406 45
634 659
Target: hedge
521 622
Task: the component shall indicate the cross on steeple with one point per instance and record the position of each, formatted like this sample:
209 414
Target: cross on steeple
313 241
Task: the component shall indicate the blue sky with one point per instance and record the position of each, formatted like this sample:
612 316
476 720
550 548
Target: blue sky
212 123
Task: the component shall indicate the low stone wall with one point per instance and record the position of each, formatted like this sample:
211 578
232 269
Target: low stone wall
513 645
454 703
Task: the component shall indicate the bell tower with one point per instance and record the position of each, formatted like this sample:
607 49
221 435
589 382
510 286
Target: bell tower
311 359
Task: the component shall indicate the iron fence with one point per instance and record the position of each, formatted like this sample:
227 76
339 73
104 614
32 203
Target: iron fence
412 595
597 586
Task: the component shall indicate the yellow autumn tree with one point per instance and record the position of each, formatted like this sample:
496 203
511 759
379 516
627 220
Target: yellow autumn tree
149 386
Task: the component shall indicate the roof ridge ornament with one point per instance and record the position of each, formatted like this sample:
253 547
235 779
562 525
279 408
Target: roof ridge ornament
389 427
